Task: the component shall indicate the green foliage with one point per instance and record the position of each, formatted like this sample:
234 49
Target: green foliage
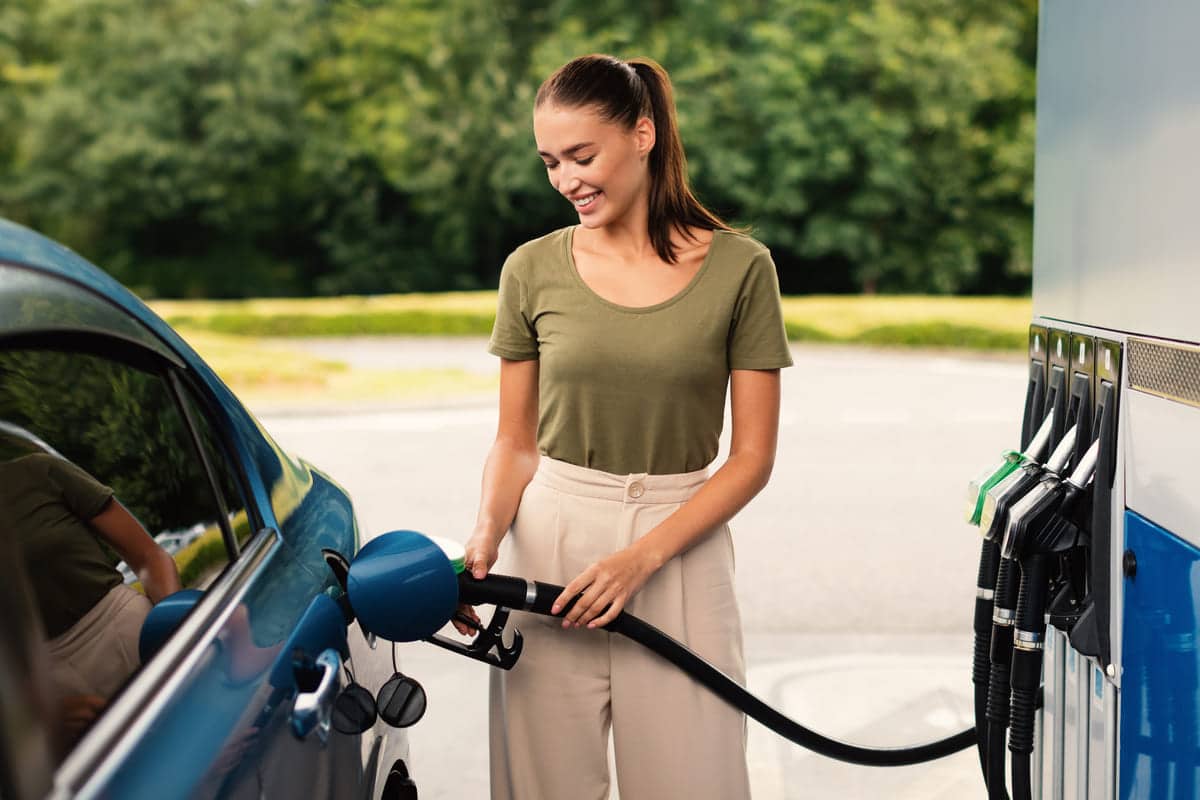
119 424
233 148
196 561
867 133
172 133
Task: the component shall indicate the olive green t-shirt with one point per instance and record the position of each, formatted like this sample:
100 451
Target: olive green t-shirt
45 502
638 390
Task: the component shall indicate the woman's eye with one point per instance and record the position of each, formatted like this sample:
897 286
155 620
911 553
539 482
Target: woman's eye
583 162
551 166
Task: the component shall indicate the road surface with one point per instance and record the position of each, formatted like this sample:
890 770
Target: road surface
855 569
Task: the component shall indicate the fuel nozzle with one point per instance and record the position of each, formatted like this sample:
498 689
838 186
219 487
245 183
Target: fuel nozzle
1041 529
978 488
1001 496
1038 521
999 500
986 585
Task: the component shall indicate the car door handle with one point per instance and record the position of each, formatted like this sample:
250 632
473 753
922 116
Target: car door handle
314 710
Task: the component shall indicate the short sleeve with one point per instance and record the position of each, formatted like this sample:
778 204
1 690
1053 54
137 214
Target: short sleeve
757 337
513 334
81 493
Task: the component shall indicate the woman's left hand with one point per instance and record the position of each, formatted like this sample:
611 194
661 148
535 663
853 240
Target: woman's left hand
606 587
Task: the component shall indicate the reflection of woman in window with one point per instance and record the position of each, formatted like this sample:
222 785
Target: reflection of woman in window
60 516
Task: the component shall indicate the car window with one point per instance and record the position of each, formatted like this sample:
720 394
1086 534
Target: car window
227 486
105 490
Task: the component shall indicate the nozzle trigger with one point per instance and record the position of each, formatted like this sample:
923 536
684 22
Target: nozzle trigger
489 639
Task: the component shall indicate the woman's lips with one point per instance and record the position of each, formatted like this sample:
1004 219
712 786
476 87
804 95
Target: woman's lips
587 203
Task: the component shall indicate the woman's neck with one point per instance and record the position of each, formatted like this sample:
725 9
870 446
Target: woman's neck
627 237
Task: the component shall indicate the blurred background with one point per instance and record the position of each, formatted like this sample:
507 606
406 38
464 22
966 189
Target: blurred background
319 195
246 148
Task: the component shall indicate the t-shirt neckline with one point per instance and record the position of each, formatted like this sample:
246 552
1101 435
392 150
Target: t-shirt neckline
568 240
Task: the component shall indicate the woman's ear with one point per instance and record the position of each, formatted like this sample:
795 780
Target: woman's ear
644 136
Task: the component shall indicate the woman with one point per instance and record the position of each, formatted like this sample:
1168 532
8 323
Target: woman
617 339
61 517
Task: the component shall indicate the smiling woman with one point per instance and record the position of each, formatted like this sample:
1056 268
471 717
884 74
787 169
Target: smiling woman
618 340
622 114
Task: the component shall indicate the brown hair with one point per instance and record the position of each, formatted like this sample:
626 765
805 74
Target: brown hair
623 92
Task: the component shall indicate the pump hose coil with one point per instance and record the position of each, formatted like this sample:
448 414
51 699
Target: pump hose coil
538 597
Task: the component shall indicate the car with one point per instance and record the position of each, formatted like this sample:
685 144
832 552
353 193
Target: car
232 690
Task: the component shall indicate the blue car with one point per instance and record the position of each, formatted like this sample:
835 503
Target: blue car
204 649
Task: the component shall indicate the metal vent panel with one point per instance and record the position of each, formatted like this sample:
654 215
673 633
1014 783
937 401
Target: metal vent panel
1165 369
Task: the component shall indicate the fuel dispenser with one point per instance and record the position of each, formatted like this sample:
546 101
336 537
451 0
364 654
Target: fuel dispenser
1106 550
1044 575
1092 675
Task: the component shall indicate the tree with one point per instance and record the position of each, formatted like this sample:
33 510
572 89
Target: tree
171 136
119 424
229 147
889 138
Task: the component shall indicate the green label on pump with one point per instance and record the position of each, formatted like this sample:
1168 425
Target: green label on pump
978 488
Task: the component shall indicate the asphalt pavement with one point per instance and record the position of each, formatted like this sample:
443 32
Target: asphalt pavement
855 569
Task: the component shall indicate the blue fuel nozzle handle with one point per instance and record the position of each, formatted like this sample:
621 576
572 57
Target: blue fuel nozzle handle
402 586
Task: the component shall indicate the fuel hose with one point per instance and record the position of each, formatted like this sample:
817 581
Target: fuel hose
538 597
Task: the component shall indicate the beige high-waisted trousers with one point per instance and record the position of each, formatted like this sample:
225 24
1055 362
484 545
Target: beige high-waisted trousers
551 714
98 653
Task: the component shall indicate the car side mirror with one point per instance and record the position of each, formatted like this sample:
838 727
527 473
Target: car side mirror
163 620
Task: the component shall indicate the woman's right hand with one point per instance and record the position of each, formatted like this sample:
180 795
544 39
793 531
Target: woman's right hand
482 549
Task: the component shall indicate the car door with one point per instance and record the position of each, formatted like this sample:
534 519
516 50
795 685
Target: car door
26 698
211 712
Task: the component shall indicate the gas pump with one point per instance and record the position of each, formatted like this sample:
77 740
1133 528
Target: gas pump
1112 560
1043 536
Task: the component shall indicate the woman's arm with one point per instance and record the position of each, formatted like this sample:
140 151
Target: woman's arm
509 467
612 581
510 464
153 565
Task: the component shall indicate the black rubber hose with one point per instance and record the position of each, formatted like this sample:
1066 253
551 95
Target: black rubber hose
989 564
997 787
538 597
1022 779
1027 670
1004 613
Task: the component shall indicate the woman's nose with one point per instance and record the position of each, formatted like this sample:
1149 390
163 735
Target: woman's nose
568 181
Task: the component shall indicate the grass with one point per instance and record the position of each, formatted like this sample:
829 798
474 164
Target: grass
451 313
978 323
272 373
985 323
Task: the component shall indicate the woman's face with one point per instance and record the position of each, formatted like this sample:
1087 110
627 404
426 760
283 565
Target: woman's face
601 167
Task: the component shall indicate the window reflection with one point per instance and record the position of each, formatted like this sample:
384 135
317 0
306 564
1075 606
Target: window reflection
66 522
230 497
105 492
